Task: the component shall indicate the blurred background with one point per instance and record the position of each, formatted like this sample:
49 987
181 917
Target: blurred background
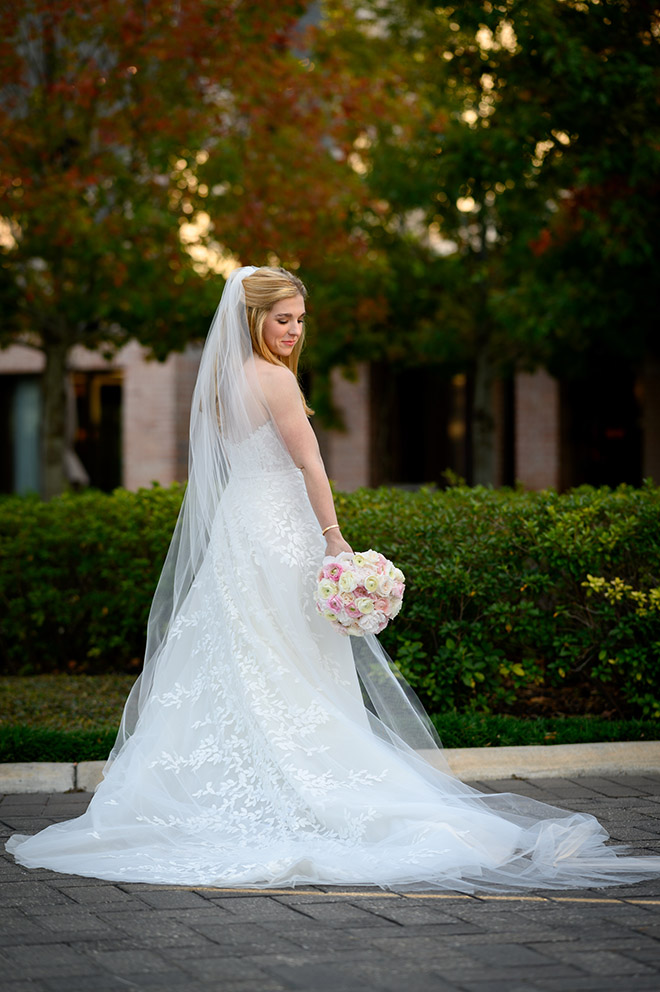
469 192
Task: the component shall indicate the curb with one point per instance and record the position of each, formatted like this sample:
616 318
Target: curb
484 764
472 764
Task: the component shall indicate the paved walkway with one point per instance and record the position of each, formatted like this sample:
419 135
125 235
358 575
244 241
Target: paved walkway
60 932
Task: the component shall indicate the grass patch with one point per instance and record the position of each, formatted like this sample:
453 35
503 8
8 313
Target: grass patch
64 702
75 718
60 717
20 743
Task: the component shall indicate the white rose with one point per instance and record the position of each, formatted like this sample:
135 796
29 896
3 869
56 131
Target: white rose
371 583
365 605
326 588
347 582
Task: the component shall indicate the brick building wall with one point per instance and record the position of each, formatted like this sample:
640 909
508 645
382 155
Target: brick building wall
155 405
537 431
347 454
156 410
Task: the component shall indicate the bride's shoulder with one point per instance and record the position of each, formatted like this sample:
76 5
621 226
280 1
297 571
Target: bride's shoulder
272 369
274 377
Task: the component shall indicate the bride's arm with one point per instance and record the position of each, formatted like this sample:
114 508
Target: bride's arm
283 397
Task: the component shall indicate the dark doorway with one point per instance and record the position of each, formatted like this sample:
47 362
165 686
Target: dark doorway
601 429
98 431
420 430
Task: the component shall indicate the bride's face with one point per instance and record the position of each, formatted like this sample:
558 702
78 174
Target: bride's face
284 325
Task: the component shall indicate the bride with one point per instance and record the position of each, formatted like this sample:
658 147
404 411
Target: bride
260 747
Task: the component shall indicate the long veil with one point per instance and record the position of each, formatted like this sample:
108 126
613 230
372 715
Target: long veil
221 379
228 406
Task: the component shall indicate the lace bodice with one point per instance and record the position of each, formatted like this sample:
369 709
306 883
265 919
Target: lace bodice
260 454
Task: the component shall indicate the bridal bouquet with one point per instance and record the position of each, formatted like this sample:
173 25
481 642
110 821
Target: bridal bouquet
359 593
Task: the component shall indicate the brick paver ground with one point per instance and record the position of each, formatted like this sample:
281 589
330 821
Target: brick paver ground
60 932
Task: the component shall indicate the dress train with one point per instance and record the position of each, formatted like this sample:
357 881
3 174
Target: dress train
255 762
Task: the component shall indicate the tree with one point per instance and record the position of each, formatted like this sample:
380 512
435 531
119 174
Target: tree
517 196
146 146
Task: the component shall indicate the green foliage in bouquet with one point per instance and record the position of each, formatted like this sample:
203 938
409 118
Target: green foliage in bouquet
515 602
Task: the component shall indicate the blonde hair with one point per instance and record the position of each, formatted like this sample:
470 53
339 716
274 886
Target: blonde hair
263 289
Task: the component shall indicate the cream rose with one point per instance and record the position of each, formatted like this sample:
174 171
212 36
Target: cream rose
327 588
347 582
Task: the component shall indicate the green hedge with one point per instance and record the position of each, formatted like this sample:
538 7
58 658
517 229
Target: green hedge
77 575
499 614
500 610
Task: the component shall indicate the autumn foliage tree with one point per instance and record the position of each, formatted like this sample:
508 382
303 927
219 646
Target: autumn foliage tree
481 175
144 146
515 198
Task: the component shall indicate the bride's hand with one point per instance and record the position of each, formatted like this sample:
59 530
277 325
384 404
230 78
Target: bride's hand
335 543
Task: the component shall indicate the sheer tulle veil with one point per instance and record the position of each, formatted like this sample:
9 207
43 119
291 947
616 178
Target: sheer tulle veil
224 409
228 406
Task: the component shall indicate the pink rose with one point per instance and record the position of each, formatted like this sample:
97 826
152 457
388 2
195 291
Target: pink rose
332 571
352 610
383 605
335 604
373 623
397 589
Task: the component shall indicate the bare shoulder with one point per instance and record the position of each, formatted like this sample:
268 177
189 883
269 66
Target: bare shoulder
275 380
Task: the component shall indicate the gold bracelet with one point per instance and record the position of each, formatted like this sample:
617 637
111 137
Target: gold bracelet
330 527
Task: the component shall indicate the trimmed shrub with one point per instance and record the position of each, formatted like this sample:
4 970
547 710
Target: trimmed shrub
497 615
500 612
77 576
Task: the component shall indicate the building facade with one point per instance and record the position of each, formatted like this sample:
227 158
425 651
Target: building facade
128 418
129 424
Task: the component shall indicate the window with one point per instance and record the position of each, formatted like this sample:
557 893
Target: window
20 433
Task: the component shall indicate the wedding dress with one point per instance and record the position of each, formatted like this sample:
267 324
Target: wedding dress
269 750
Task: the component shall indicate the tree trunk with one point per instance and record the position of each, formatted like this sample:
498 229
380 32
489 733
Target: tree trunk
483 421
53 475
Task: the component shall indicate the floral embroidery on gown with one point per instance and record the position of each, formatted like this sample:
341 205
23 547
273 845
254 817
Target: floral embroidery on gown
255 761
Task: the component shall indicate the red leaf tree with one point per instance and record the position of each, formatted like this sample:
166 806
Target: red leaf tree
123 121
